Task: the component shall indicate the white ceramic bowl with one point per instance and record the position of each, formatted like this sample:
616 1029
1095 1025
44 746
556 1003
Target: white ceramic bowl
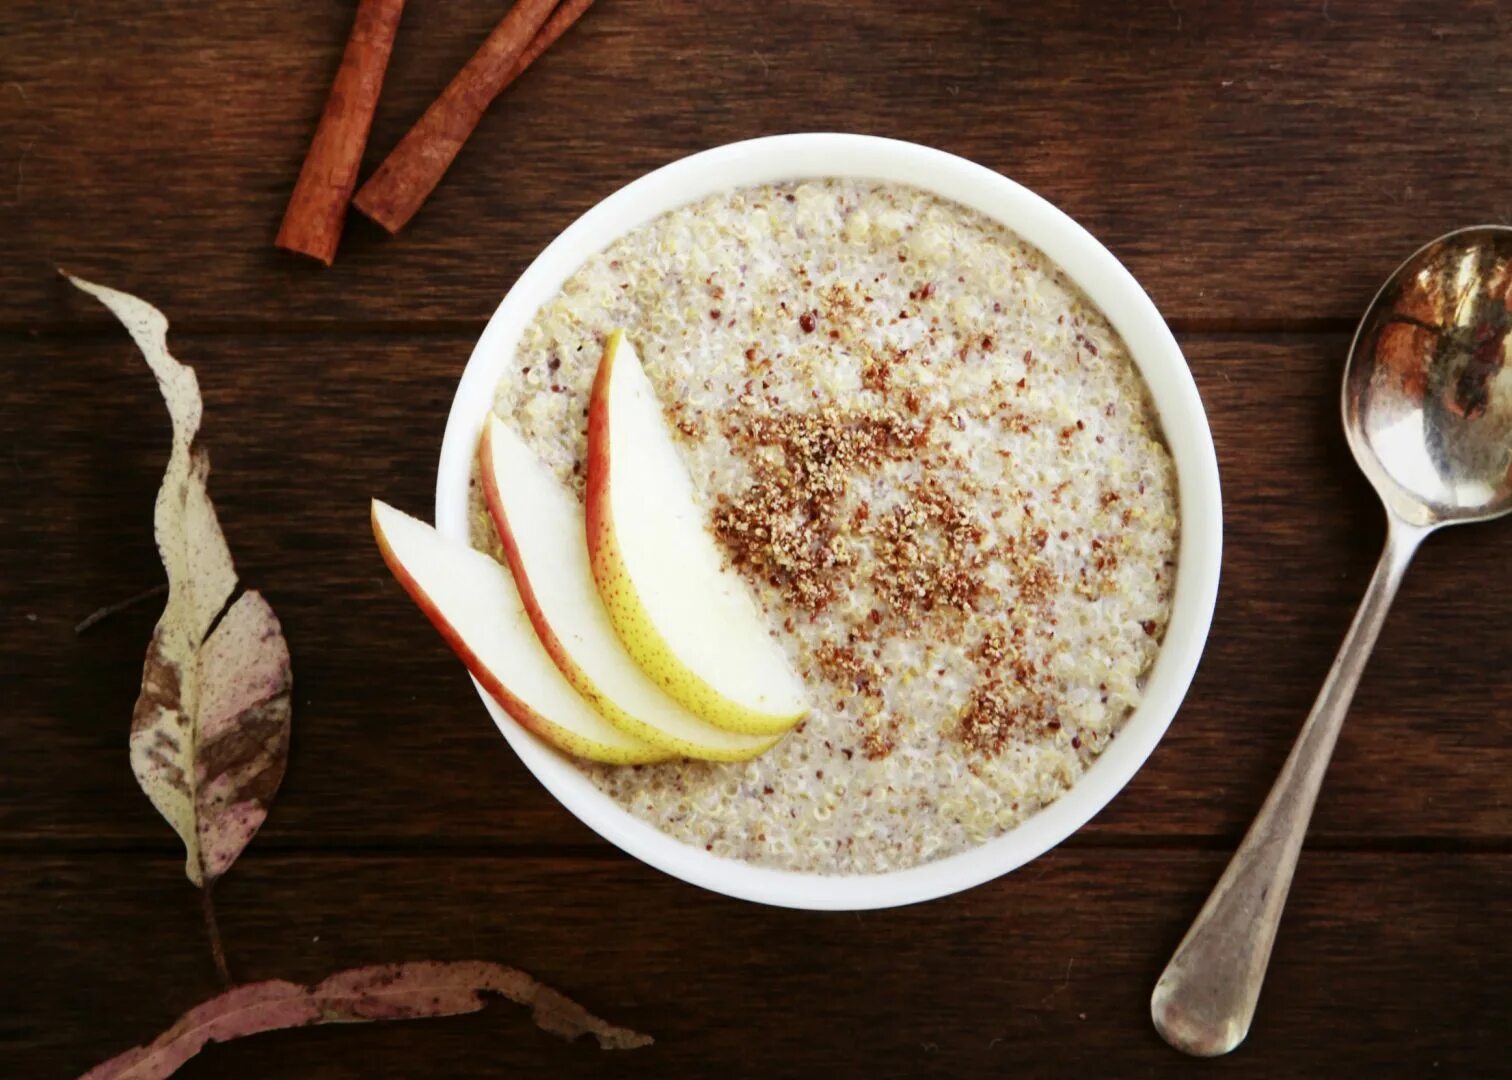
1111 287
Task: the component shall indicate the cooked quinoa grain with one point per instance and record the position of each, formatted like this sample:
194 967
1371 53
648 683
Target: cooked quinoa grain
939 471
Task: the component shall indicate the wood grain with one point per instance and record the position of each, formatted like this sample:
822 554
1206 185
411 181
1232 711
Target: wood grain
1259 167
1043 973
1252 163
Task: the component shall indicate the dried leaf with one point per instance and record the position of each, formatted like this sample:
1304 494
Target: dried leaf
210 731
409 991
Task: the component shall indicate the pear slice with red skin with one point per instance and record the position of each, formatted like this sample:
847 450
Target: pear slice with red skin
471 599
541 527
687 618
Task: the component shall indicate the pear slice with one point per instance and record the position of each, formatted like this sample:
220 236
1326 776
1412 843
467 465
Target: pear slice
686 618
472 601
540 523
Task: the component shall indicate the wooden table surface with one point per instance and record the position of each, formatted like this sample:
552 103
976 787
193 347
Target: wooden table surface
1259 167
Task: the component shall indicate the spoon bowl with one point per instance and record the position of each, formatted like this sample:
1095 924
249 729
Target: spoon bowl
1427 395
1427 405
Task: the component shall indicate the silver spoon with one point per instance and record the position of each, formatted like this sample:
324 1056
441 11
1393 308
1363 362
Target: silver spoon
1428 412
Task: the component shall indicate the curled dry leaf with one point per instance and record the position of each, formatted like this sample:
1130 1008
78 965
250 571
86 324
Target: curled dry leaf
210 732
385 992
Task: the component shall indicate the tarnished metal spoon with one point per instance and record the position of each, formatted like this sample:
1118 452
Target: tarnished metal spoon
1428 413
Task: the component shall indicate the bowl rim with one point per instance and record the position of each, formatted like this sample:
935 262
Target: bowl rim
1105 281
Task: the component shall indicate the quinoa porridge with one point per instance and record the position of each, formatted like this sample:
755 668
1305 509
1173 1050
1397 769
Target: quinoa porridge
938 469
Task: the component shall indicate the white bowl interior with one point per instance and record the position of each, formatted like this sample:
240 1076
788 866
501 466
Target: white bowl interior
1105 281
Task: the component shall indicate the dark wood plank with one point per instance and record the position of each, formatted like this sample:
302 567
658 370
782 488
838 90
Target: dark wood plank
1253 163
1044 973
390 744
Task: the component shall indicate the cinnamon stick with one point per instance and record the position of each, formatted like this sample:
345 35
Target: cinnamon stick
412 170
313 222
567 13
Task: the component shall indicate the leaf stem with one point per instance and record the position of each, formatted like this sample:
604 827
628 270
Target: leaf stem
119 606
212 928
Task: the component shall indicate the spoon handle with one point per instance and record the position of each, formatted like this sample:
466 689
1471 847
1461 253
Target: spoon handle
1206 996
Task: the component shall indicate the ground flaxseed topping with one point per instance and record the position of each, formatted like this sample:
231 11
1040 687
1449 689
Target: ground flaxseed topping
929 556
789 525
846 666
937 468
993 716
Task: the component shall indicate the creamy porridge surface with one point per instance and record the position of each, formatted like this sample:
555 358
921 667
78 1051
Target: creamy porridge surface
939 470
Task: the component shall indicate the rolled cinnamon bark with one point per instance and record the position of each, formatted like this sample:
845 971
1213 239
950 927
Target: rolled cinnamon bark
567 13
317 210
393 194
